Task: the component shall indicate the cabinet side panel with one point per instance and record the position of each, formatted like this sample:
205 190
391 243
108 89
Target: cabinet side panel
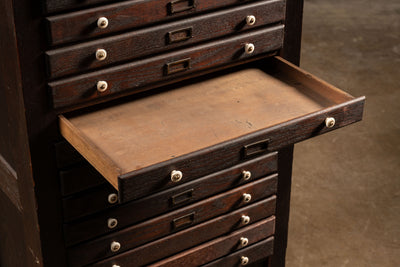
19 232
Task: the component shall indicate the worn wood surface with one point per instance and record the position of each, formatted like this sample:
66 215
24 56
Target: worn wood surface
135 75
294 102
223 225
163 225
255 253
221 246
81 25
149 41
162 202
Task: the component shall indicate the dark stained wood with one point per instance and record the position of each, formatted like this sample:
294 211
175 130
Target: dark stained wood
9 183
82 24
162 202
20 241
79 178
66 155
133 76
163 225
305 100
87 202
149 41
223 225
221 246
255 253
62 5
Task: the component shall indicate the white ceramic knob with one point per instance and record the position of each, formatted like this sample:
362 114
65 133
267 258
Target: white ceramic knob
330 122
246 197
249 48
101 54
115 265
112 198
102 23
244 260
250 20
244 241
246 175
245 219
101 87
112 223
115 246
176 176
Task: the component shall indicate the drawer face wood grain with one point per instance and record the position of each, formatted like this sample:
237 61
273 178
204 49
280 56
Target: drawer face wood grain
162 202
148 41
183 239
169 223
166 67
82 24
287 104
258 236
254 253
229 242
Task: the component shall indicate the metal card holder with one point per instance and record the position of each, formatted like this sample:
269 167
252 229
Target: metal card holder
183 221
182 197
179 35
256 148
177 66
180 6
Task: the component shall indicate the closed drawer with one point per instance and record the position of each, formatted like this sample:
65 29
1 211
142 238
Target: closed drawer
79 178
135 76
90 201
82 57
169 245
226 245
241 114
252 254
169 223
83 24
162 202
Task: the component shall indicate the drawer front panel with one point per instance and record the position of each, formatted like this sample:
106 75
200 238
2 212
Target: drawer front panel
82 57
82 25
170 245
167 67
79 178
89 202
254 253
220 247
66 155
168 200
170 223
190 237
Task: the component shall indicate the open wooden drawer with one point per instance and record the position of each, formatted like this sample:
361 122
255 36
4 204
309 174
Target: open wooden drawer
204 127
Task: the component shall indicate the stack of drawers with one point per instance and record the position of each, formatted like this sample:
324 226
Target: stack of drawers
153 43
225 215
105 50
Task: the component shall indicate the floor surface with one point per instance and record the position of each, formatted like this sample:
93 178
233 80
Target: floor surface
345 208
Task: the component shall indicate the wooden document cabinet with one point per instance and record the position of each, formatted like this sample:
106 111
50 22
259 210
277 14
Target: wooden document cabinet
160 133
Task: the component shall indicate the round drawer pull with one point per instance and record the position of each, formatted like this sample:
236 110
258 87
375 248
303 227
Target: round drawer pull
246 175
102 86
176 176
250 20
244 260
245 219
249 48
102 23
115 265
112 223
246 197
244 241
101 54
115 246
330 122
112 198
